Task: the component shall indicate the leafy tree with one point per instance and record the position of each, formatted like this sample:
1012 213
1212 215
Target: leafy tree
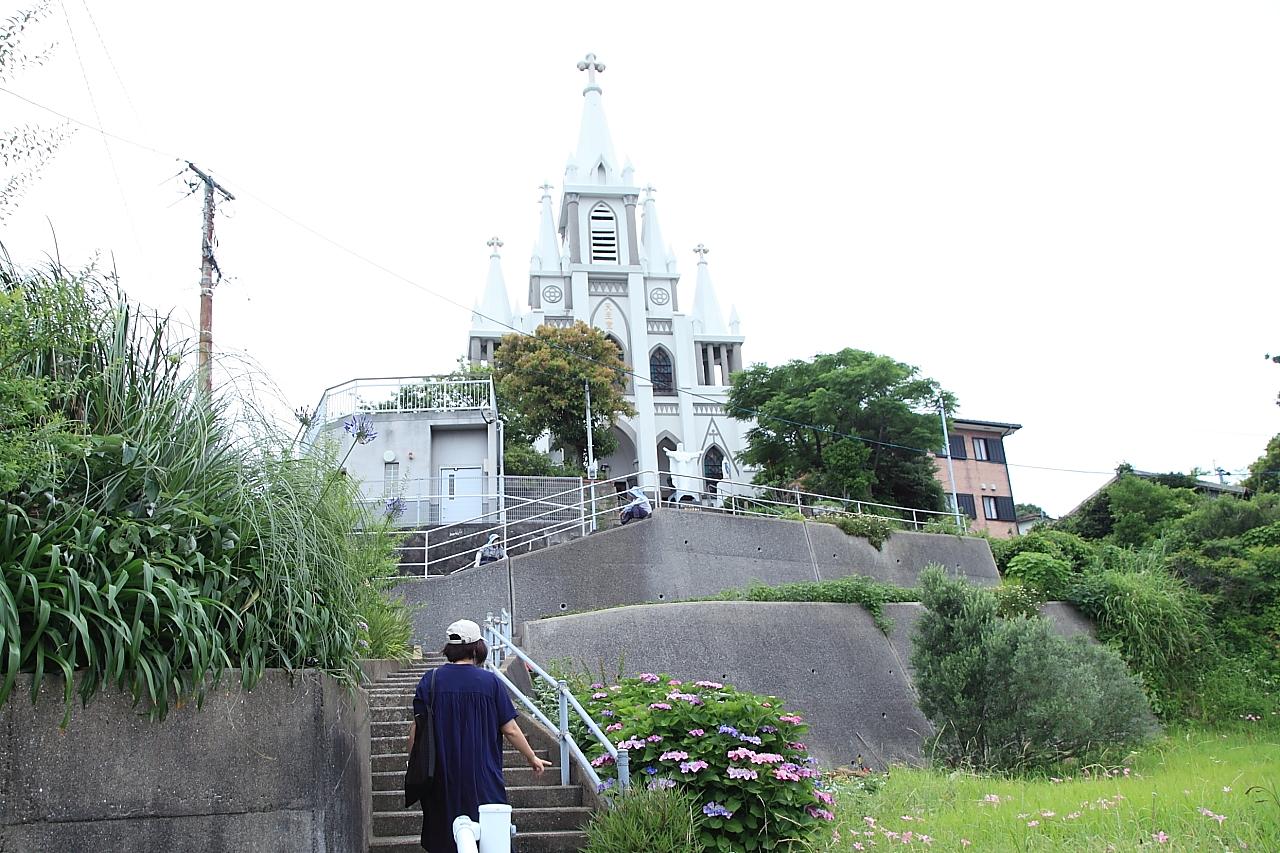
23 150
541 377
1132 510
1029 509
879 401
1264 474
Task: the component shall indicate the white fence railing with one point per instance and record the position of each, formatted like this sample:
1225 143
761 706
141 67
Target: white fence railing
533 511
399 394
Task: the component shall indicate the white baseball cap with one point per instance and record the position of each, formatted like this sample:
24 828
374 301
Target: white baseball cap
462 632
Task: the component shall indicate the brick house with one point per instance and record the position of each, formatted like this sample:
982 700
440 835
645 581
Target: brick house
982 475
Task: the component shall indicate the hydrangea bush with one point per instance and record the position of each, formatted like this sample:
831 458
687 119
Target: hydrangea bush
740 754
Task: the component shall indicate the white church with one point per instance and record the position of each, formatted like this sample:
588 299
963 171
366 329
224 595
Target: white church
601 262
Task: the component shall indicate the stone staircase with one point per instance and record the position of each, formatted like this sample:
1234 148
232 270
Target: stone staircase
549 817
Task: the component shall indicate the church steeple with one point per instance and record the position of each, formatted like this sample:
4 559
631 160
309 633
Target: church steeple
652 247
494 312
707 317
546 251
594 161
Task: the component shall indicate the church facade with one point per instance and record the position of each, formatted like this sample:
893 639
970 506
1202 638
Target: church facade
600 258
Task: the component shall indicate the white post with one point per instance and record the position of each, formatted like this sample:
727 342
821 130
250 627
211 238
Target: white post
562 690
495 828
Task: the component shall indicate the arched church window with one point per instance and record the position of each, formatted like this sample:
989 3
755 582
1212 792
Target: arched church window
713 467
604 235
624 379
661 371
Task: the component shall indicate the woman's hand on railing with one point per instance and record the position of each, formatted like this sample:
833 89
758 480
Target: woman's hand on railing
538 765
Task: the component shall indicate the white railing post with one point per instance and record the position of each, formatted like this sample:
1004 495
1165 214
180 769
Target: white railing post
495 828
624 769
562 690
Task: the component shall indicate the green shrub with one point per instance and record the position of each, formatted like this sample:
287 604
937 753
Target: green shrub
737 753
1010 694
1050 575
1015 599
1156 622
1042 540
869 527
656 820
172 536
854 589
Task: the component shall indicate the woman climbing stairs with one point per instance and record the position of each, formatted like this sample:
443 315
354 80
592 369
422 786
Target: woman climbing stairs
548 816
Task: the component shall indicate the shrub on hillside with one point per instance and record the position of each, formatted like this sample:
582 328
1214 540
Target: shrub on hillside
738 754
1042 540
854 589
656 820
1157 623
1010 693
869 527
1047 574
1015 599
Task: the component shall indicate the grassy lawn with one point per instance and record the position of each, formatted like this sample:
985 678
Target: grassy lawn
1194 790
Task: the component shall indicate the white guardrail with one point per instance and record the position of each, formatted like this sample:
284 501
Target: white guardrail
497 635
585 506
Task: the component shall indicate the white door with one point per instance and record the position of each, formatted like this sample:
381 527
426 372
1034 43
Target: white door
461 494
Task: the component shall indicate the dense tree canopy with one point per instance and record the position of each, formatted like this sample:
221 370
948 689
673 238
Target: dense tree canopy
1264 474
541 376
830 424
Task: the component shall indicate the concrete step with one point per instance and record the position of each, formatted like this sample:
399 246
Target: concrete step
513 765
526 842
392 728
525 797
391 714
399 823
390 700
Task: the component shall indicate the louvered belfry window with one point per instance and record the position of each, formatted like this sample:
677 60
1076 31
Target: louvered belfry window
604 235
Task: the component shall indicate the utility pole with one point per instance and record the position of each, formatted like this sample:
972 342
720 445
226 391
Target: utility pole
208 264
951 470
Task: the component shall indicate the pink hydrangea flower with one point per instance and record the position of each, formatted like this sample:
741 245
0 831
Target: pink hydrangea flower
765 758
696 732
648 678
785 774
654 738
791 718
602 760
693 766
675 682
613 727
740 754
660 706
710 685
1160 837
673 755
822 814
742 773
600 695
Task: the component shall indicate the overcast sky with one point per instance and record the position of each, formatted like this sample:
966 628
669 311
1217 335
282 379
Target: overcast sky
1066 213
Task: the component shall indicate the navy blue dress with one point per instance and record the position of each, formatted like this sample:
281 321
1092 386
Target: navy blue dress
471 706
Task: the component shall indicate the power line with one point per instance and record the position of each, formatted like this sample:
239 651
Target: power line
755 413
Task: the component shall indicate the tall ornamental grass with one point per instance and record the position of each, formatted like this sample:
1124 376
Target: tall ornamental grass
155 538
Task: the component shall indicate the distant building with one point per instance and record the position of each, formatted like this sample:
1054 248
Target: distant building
1030 521
982 486
1182 481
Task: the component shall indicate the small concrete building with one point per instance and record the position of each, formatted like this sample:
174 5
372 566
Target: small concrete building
437 446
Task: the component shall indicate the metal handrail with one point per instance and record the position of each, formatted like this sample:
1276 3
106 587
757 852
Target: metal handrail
497 634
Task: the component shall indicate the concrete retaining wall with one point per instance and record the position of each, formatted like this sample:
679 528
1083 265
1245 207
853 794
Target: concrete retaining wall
853 684
679 555
284 767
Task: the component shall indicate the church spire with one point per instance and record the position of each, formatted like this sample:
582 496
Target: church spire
495 309
653 247
707 316
546 252
594 161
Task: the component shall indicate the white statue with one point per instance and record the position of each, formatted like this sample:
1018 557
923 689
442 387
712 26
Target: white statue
686 474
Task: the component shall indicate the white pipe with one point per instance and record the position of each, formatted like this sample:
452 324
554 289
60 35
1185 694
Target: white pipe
466 834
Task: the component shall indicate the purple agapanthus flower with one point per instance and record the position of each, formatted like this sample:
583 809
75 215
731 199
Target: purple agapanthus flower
395 508
361 428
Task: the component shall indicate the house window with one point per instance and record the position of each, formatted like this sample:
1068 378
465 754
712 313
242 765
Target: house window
604 235
713 467
998 508
956 443
967 505
980 449
390 476
661 372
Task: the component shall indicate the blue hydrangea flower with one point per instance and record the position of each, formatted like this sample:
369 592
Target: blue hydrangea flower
714 809
729 730
651 770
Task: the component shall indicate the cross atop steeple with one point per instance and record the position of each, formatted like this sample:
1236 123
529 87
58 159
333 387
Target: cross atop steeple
494 244
649 190
701 251
591 66
546 189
